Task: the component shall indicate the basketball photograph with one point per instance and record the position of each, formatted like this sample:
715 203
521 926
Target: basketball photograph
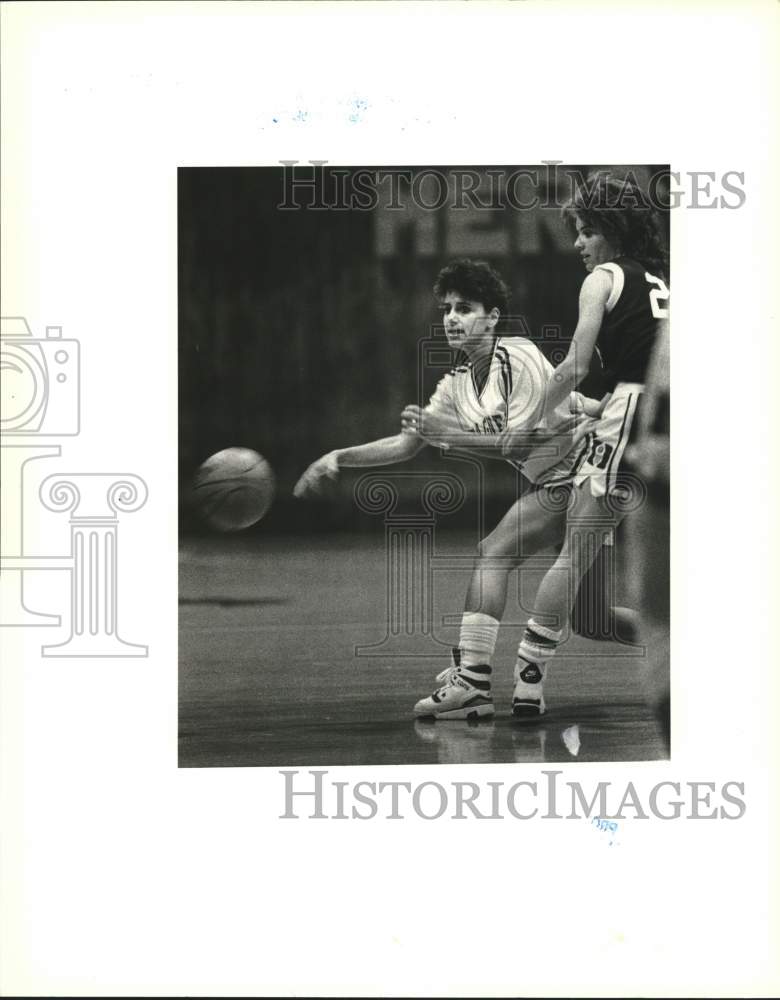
423 464
376 381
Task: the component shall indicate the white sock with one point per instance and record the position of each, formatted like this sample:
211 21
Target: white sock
478 634
538 644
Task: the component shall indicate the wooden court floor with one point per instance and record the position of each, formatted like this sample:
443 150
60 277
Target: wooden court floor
270 673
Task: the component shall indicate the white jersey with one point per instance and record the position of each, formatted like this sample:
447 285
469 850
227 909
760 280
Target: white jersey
512 398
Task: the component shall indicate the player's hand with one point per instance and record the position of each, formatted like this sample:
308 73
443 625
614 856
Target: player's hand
584 404
430 426
319 473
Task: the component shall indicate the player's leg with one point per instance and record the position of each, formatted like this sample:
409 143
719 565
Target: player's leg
594 514
586 532
531 525
594 614
527 528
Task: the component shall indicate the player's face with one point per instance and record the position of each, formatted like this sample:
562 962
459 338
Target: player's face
466 322
593 246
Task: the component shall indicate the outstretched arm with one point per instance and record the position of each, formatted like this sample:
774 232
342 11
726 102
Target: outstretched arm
572 370
525 432
386 451
443 431
513 444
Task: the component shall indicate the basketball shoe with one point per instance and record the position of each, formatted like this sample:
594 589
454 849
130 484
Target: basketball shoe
528 697
465 693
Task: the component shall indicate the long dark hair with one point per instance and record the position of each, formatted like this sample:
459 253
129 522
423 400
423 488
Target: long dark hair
620 211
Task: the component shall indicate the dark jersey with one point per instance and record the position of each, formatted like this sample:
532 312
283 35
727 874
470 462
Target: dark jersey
638 300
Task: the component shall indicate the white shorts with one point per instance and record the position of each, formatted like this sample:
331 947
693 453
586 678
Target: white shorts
601 452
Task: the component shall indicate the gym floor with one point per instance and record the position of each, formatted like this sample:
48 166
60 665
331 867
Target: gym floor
271 672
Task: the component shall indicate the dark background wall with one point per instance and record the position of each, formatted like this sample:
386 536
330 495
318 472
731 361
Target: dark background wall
300 330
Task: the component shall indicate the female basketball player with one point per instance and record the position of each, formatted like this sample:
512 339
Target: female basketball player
622 300
493 406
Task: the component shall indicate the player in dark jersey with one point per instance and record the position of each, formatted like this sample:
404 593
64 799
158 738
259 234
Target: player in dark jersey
622 300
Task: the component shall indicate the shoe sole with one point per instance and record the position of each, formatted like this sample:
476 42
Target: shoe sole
469 712
527 709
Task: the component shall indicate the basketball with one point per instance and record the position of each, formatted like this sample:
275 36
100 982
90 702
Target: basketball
234 489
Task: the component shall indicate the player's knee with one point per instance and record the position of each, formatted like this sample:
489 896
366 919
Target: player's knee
493 548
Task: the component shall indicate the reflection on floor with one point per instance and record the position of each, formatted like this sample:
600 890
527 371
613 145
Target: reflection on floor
273 668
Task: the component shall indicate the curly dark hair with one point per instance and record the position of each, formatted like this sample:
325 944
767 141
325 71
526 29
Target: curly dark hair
477 281
620 211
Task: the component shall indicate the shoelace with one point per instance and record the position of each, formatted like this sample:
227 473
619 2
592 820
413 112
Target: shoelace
450 676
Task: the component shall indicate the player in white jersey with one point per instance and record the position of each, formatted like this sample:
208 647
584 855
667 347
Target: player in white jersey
492 406
503 391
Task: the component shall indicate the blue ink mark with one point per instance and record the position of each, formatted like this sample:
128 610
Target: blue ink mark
275 121
608 826
359 106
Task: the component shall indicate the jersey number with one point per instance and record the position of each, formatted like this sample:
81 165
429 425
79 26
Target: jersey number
599 453
657 296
